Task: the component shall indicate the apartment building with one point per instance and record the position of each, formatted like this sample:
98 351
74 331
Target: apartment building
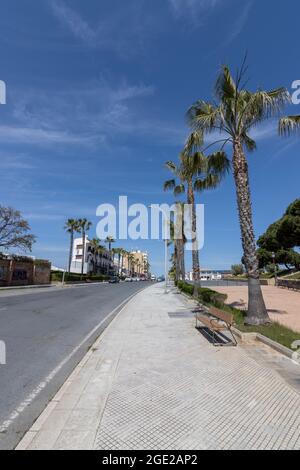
93 263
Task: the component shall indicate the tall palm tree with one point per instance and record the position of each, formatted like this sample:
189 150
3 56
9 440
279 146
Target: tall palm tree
84 226
236 112
131 261
71 226
109 241
179 242
123 255
196 173
118 252
97 249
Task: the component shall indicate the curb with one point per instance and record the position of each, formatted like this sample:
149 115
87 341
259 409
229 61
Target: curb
39 286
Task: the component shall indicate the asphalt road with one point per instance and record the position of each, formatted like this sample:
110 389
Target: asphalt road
46 335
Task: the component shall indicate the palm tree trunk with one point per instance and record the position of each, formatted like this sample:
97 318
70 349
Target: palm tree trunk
177 260
257 312
181 259
195 250
71 250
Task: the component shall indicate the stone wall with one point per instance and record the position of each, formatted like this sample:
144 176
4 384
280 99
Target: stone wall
42 274
14 272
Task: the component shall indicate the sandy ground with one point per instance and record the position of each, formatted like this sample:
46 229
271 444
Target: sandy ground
283 305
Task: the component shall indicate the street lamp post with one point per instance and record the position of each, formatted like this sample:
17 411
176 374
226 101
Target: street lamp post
166 248
166 262
275 267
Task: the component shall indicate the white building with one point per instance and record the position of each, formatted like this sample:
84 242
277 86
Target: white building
94 263
206 275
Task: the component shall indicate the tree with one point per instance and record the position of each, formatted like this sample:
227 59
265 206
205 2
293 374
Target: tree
280 238
109 240
196 173
71 226
178 239
14 230
118 252
84 226
97 250
235 113
288 231
237 269
131 260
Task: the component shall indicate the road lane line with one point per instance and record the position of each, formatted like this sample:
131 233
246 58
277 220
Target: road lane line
42 385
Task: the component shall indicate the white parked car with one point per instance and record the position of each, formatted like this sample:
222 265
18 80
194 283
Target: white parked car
128 279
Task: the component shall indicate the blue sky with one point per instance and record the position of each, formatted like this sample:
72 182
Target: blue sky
96 97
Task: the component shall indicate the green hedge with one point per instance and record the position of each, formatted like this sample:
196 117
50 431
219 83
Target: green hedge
186 288
57 276
204 294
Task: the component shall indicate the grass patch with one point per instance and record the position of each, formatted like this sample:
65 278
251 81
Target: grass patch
276 332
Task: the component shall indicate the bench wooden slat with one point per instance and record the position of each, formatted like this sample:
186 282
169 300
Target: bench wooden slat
211 323
217 321
224 316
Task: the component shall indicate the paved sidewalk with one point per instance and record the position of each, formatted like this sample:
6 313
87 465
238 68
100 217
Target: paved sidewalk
154 382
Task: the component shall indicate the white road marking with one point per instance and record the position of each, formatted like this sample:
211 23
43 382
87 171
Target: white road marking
2 309
42 385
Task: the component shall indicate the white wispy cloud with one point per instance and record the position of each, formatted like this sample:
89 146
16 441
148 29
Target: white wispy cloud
236 28
123 30
192 8
77 25
27 135
84 116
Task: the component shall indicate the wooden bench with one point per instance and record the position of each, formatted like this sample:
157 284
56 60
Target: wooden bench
216 321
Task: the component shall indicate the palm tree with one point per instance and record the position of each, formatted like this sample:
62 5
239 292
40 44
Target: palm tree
196 173
97 249
236 112
71 227
178 236
109 241
123 255
118 252
84 226
131 261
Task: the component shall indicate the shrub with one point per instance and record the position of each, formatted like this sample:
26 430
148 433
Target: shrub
186 288
57 276
210 296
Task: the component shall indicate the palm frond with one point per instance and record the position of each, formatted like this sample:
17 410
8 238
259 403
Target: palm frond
193 143
218 164
203 116
225 86
172 167
210 182
179 189
261 105
249 143
289 125
169 185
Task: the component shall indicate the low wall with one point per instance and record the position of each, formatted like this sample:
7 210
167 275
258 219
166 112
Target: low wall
14 272
289 284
